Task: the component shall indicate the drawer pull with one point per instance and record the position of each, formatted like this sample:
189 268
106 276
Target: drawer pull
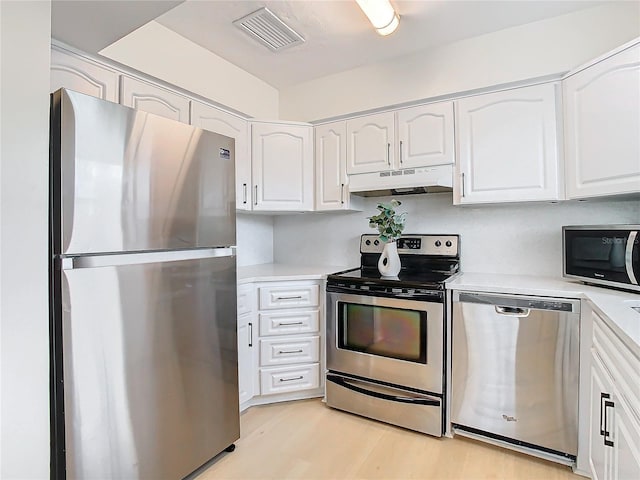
291 379
289 351
286 324
294 297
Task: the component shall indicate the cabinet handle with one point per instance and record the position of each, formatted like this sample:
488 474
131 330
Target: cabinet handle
250 334
244 193
286 324
342 193
389 154
255 198
289 351
295 297
462 175
291 379
606 433
400 152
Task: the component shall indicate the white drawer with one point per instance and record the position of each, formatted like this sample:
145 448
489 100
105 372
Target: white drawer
246 299
289 350
289 379
287 296
285 322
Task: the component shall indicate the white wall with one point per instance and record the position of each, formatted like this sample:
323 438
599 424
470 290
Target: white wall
509 238
255 239
541 48
24 146
162 53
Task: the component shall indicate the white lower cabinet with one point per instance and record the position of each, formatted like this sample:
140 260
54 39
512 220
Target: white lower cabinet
290 340
614 431
280 344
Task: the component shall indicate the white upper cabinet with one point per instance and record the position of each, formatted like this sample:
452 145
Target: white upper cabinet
425 135
602 127
282 166
420 136
219 121
84 76
370 143
330 160
508 146
153 99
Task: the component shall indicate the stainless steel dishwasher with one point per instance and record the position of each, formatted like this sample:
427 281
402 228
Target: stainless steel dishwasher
515 371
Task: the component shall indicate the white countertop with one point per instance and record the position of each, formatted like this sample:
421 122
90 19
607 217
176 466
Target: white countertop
611 304
269 272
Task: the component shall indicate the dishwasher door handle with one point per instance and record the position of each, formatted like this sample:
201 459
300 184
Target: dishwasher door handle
513 311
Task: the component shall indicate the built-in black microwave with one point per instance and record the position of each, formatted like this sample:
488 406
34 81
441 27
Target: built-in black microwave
607 255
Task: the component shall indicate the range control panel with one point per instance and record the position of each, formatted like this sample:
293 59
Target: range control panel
441 245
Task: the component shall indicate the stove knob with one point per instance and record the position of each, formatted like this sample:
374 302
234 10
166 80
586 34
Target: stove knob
376 242
448 244
438 243
368 242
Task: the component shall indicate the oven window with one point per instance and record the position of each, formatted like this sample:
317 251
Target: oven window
384 331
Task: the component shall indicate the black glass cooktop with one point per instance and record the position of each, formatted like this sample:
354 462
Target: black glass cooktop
405 279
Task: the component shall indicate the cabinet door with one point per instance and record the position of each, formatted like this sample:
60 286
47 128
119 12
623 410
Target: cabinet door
600 455
602 121
247 344
246 371
425 135
282 167
370 143
331 157
507 146
219 121
80 75
626 462
153 99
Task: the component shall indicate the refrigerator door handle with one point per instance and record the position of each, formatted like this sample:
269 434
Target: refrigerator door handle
134 258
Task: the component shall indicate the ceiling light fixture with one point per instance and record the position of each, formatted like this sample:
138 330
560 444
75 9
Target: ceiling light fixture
381 15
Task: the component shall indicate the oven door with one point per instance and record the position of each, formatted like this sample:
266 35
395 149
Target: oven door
391 340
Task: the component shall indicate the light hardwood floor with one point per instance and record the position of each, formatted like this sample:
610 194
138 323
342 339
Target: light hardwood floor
307 440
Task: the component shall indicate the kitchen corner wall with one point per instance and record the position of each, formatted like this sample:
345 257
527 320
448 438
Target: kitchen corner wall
509 238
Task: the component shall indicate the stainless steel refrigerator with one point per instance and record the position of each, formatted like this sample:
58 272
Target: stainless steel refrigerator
143 293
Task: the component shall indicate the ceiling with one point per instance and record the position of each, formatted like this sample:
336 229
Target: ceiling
338 35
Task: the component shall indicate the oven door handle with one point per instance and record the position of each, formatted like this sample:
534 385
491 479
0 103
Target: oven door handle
393 398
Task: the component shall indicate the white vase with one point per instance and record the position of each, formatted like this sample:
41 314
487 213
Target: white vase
389 262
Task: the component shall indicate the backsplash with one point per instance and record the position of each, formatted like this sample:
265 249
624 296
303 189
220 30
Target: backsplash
254 235
508 238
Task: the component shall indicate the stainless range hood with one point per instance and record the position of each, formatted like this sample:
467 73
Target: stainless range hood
409 181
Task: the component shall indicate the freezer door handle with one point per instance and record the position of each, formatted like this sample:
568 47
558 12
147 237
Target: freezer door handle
138 258
394 398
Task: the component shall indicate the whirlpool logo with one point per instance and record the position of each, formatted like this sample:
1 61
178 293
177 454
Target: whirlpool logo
509 418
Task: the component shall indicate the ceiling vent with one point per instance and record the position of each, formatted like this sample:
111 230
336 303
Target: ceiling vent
269 30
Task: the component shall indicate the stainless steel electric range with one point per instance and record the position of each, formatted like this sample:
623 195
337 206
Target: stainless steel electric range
386 336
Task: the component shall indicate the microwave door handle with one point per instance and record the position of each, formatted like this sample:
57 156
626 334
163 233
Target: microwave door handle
394 398
632 242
